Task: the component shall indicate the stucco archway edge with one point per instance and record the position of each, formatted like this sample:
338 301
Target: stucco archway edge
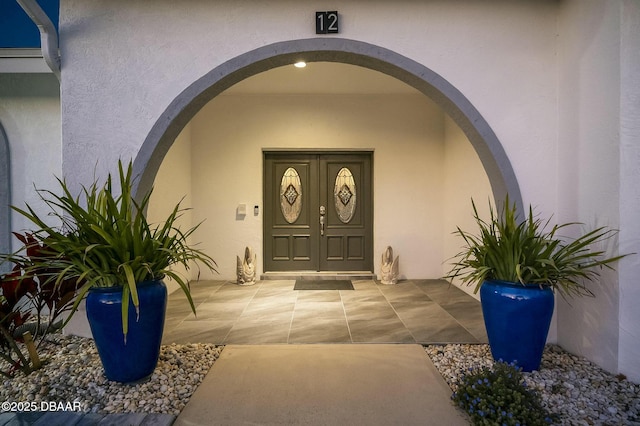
455 104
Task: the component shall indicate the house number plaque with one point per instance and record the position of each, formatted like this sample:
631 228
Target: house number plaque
327 22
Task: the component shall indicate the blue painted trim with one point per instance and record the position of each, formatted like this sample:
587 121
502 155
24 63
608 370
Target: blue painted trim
17 30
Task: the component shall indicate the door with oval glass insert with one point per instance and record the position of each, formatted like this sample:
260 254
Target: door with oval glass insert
318 212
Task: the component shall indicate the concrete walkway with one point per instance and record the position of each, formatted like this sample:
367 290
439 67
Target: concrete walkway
322 385
334 384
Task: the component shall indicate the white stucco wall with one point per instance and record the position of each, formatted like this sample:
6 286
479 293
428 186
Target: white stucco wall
556 81
464 180
30 115
497 56
173 186
629 268
590 110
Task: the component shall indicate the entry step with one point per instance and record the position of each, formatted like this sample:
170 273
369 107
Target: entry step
325 275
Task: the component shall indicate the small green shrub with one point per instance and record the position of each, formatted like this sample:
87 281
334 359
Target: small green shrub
499 396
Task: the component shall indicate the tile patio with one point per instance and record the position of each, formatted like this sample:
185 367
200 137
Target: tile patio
271 312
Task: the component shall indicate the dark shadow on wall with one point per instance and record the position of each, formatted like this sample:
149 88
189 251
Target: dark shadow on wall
5 197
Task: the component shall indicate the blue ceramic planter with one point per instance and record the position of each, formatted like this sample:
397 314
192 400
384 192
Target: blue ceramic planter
517 320
135 360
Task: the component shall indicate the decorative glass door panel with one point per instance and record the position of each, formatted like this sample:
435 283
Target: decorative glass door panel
318 212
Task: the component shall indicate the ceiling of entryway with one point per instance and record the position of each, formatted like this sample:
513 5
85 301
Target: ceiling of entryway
322 78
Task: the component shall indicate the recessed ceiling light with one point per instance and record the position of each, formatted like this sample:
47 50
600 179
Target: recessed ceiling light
300 64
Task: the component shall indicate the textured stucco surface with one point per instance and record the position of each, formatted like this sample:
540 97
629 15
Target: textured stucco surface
111 114
629 347
5 197
546 91
598 83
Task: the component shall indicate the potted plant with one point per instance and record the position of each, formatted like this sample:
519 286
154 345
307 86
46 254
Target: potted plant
105 243
517 265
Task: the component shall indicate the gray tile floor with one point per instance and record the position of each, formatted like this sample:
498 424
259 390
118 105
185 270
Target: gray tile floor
412 311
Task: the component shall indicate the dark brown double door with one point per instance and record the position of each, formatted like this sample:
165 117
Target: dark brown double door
318 212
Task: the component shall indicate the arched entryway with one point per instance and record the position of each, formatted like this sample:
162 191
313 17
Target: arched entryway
432 85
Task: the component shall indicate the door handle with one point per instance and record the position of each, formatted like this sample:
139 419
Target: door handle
322 213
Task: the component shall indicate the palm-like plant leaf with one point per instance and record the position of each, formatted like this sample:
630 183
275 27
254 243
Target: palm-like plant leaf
105 240
529 252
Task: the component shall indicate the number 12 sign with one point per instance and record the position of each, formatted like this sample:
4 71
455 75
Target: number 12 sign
326 22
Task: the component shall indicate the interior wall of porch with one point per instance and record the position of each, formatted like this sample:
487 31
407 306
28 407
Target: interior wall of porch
419 189
172 186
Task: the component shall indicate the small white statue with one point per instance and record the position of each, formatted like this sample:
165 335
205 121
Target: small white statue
389 268
247 268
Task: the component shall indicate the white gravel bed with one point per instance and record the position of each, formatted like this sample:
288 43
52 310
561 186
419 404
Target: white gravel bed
73 373
580 392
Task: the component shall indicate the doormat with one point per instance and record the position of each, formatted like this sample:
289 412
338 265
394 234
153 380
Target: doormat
323 285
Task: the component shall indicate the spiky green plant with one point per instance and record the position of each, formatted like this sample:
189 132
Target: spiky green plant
105 240
529 251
